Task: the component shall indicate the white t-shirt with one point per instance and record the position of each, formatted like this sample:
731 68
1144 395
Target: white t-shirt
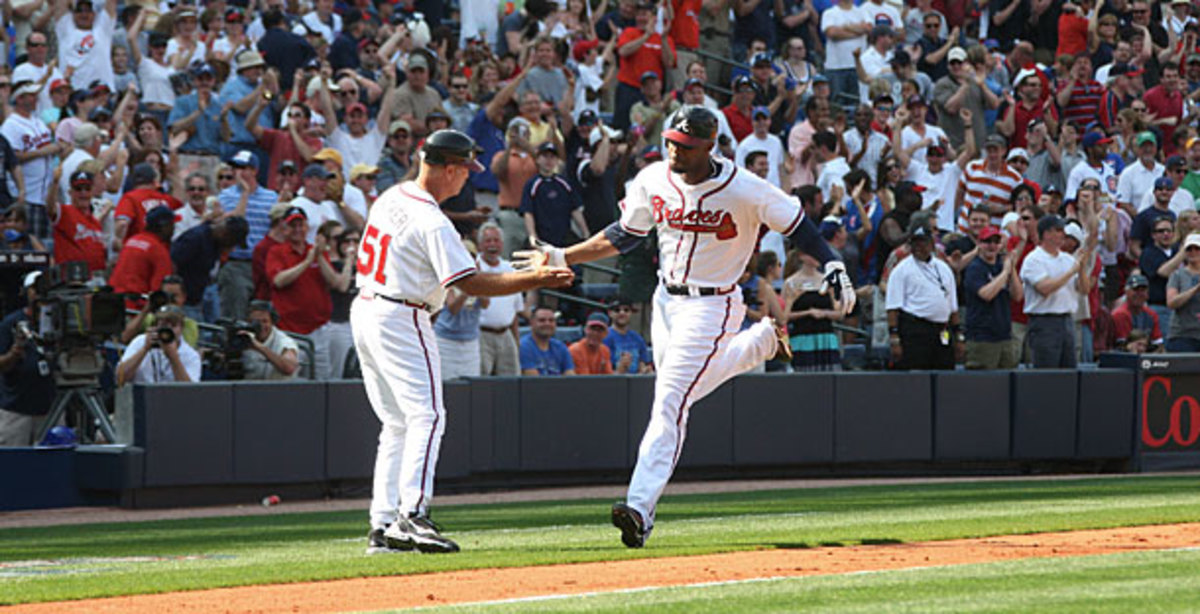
314 23
29 72
875 64
259 368
364 149
840 54
1041 265
882 14
501 309
187 218
943 185
772 145
318 213
24 135
1136 181
88 51
1181 201
173 47
155 80
156 367
831 175
909 137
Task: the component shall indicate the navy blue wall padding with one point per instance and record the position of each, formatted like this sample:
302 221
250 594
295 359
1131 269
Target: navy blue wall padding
971 415
564 428
278 432
454 459
780 420
1106 414
883 417
496 416
187 433
351 431
640 396
1044 407
35 478
709 440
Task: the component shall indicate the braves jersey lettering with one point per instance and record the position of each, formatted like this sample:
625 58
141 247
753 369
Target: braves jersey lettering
701 228
719 223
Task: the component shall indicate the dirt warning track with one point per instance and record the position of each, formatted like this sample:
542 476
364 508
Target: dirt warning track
365 594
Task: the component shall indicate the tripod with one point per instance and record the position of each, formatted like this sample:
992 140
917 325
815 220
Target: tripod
78 384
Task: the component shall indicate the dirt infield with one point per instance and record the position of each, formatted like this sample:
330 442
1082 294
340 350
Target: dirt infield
365 594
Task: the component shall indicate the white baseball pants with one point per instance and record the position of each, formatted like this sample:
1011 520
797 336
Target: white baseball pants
697 347
402 374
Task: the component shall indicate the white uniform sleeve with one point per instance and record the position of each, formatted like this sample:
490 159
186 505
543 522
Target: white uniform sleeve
637 215
449 258
781 212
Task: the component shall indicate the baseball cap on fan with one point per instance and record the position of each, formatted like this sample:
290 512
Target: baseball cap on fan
692 126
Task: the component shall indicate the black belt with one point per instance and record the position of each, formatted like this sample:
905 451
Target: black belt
398 301
685 290
496 330
1049 315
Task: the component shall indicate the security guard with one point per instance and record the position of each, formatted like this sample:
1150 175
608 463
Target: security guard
922 306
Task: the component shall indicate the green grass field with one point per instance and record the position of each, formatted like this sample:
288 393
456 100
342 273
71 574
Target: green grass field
71 562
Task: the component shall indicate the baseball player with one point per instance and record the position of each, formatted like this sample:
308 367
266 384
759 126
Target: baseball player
708 214
409 255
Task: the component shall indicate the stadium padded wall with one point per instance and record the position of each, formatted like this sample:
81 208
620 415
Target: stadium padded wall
520 431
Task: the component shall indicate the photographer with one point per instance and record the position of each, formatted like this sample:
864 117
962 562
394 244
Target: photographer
27 387
170 293
271 353
160 355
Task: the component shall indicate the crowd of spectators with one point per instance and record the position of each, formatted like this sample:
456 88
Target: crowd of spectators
1009 182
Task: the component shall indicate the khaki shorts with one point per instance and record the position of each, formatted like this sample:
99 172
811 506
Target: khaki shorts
991 355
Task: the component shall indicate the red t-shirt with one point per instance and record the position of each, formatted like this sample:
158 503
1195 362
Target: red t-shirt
741 125
647 57
1072 34
258 268
685 30
144 262
1123 322
79 236
280 147
1161 104
135 203
305 305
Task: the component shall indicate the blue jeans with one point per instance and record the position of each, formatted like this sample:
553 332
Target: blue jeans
843 86
1164 314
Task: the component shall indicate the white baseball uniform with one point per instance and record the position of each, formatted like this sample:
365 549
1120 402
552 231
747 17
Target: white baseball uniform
706 236
410 253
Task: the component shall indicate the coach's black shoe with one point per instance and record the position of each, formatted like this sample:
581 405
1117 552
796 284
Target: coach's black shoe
633 529
378 544
418 531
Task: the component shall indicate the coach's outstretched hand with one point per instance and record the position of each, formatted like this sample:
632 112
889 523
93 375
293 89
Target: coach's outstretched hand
554 277
542 255
838 281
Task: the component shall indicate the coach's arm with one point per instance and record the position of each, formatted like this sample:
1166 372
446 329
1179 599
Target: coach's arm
500 284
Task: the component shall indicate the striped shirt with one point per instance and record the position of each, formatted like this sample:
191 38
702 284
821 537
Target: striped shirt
1084 104
257 206
981 186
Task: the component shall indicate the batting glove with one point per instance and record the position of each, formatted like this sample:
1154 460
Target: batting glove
837 280
542 254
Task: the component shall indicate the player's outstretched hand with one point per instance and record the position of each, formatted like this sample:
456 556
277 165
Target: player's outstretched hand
542 255
838 281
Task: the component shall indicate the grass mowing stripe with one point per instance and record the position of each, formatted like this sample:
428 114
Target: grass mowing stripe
313 546
1161 581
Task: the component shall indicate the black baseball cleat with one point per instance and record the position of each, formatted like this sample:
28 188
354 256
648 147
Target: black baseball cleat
378 544
633 529
418 531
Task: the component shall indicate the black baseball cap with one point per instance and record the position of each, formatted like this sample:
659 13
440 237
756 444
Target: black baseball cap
692 125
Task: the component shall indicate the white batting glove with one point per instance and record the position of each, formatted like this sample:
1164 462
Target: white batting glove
838 281
542 255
